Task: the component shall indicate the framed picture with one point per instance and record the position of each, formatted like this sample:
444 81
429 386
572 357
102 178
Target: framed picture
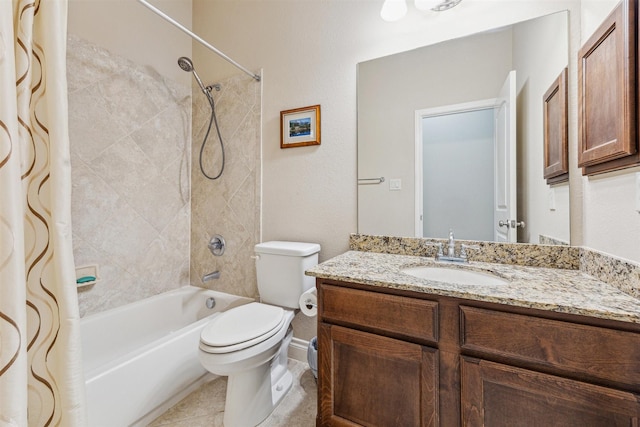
300 127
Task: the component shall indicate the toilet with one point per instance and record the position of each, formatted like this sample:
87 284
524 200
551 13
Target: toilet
249 343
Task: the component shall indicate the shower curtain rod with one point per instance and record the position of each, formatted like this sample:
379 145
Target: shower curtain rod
197 37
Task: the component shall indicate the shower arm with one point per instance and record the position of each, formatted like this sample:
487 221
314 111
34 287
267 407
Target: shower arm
197 37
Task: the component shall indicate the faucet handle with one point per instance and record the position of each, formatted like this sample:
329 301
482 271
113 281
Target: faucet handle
438 245
463 250
217 245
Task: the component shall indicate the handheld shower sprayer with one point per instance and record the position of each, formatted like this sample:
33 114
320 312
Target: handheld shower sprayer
187 65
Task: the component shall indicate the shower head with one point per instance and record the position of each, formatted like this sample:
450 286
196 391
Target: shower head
187 65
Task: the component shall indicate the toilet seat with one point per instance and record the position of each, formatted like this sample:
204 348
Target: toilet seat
241 327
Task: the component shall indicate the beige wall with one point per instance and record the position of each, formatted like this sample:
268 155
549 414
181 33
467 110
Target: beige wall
540 53
309 52
611 223
230 205
142 210
128 29
129 132
310 193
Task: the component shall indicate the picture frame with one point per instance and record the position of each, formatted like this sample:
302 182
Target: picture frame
300 127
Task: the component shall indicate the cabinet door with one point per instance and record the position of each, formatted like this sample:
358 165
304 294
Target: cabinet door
370 380
556 134
499 395
607 93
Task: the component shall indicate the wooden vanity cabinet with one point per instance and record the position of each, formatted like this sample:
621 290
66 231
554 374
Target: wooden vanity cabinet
371 380
555 372
500 395
397 358
374 362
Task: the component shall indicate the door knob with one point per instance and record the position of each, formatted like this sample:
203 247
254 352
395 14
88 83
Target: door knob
516 224
511 223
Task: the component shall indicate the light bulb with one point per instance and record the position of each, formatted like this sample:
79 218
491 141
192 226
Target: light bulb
425 5
392 10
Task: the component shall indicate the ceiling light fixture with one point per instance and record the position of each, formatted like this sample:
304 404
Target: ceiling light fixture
445 5
394 10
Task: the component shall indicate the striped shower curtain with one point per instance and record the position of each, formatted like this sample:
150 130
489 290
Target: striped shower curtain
41 380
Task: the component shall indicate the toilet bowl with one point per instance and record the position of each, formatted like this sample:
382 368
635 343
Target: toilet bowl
255 360
249 343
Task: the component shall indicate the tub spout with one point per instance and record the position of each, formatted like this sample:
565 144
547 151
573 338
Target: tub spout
211 276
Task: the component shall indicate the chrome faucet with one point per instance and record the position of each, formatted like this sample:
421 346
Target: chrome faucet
451 250
211 276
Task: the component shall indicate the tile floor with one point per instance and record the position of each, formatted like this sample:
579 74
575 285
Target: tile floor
205 406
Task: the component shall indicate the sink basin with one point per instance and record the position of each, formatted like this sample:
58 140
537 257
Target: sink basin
455 275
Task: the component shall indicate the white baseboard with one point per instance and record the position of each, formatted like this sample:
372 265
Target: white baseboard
298 349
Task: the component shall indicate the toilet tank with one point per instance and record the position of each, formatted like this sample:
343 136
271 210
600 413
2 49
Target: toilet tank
280 268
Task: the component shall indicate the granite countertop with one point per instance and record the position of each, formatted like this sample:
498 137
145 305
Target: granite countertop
552 289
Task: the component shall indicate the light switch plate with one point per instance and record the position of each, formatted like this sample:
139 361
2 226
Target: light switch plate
395 184
552 199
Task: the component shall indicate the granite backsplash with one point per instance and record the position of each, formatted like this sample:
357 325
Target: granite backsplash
620 273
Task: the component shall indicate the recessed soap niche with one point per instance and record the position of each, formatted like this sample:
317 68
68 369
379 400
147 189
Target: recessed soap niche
87 275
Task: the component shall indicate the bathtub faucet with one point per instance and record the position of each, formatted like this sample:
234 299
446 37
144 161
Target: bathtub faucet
211 276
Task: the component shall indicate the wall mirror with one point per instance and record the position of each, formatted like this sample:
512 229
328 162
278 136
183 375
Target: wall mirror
450 136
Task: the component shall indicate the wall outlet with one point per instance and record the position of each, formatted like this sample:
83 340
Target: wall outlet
395 184
551 196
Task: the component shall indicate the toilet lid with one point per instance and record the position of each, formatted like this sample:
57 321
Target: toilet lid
242 327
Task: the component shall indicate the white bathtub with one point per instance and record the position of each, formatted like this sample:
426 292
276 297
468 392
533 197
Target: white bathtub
141 358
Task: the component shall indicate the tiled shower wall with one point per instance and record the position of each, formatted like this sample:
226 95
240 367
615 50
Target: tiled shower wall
130 132
230 205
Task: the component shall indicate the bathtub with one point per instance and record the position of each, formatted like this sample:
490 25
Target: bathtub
141 358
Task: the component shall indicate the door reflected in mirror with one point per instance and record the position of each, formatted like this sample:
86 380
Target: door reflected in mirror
425 195
457 170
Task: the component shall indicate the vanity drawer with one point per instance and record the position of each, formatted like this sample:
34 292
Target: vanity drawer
382 313
597 352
